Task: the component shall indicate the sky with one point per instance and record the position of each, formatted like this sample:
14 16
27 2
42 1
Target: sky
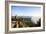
25 11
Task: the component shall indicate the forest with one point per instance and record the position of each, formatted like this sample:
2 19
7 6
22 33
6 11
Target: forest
21 22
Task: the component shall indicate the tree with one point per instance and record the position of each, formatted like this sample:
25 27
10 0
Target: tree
39 22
